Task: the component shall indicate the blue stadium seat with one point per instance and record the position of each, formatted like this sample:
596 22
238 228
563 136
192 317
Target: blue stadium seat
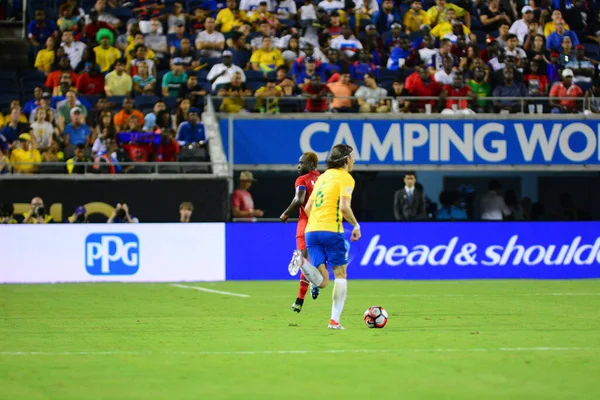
116 100
254 76
8 74
90 98
386 74
145 101
171 102
5 100
254 85
202 74
481 36
206 86
591 50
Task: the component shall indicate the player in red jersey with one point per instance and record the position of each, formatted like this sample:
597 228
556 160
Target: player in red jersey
307 169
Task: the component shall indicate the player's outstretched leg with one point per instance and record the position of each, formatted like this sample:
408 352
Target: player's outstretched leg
304 284
317 276
339 297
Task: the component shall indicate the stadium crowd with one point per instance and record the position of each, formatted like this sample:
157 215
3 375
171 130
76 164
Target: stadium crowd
115 81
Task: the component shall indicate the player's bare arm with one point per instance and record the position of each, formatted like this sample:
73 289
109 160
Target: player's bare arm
296 203
348 214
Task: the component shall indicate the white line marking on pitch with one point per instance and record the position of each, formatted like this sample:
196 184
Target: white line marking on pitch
448 295
202 289
562 294
283 352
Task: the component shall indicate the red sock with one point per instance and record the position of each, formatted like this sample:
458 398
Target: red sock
303 286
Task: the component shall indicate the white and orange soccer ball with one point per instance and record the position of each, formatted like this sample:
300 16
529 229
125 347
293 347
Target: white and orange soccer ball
376 317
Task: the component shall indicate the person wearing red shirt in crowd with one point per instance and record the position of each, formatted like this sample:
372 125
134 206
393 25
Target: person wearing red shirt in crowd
90 81
316 94
566 88
536 82
421 84
93 27
168 148
64 65
242 204
307 168
457 89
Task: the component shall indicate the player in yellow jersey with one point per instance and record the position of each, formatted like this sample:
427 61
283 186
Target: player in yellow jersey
327 207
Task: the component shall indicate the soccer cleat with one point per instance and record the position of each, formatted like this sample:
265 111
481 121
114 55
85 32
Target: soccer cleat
297 307
335 325
295 263
314 291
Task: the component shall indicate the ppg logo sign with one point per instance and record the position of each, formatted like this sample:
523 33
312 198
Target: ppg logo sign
112 254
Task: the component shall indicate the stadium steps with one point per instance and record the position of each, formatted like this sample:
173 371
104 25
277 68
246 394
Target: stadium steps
14 47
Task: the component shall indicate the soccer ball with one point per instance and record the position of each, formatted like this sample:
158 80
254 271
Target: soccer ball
376 317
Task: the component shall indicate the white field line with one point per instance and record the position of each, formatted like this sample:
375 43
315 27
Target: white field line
447 295
284 352
202 289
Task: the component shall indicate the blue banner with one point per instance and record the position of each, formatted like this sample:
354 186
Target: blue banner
451 142
414 251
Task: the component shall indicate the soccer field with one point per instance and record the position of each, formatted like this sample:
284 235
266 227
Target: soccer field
460 339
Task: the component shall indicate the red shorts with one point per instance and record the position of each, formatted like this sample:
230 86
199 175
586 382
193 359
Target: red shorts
300 242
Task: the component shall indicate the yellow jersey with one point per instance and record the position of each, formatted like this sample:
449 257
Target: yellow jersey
106 57
44 60
25 161
326 214
226 19
435 16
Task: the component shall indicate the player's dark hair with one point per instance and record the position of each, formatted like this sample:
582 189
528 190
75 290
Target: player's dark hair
338 157
411 173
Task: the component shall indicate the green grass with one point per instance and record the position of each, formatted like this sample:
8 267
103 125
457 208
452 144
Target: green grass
455 340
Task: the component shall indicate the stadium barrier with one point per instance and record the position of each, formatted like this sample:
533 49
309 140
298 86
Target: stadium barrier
261 251
149 197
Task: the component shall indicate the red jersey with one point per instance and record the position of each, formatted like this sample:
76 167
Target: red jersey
457 92
305 182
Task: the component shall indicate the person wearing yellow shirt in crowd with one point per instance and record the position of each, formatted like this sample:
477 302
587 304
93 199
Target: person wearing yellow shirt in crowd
106 54
139 39
118 82
264 101
549 27
45 57
37 213
234 94
438 13
25 158
444 28
266 58
225 18
415 17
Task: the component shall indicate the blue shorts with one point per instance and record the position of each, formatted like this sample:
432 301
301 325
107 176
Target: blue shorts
326 248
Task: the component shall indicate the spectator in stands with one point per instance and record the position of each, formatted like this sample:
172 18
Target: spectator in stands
343 90
566 52
451 210
174 39
77 132
293 50
331 5
174 79
234 94
316 94
225 21
156 41
310 69
334 64
522 27
493 17
100 8
513 50
583 69
309 51
284 82
25 158
240 50
104 130
594 97
72 102
35 102
458 89
222 73
37 213
196 20
45 57
141 55
209 42
75 165
16 103
188 55
566 88
266 58
164 121
445 76
553 67
555 39
168 149
118 82
409 202
185 211
266 97
439 13
121 215
536 81
387 16
73 49
372 98
493 207
577 16
400 97
91 29
122 117
509 88
66 84
39 30
191 90
502 34
445 50
7 211
242 204
44 104
261 14
346 43
175 16
550 26
529 39
64 66
422 84
87 56
106 54
133 125
451 25
14 127
53 154
429 51
143 82
307 15
91 81
362 66
191 132
182 111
